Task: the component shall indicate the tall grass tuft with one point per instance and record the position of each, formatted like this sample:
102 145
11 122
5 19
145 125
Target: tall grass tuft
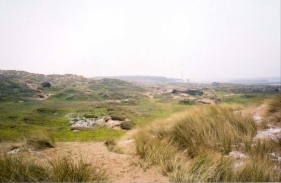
274 107
15 169
259 170
213 127
210 166
194 146
18 169
66 170
41 141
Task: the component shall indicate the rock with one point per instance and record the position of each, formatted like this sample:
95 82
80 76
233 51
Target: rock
271 133
237 155
107 118
41 96
46 84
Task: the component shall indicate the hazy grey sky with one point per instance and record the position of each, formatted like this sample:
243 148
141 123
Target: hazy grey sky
213 38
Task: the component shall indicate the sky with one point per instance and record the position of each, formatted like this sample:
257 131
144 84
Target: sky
189 39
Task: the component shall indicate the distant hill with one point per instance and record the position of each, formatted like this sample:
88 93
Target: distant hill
265 80
21 85
150 79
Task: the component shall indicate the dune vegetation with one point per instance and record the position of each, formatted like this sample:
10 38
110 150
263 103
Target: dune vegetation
195 146
190 132
18 169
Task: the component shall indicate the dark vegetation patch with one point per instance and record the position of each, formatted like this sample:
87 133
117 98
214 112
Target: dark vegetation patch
187 102
46 110
46 84
127 125
190 92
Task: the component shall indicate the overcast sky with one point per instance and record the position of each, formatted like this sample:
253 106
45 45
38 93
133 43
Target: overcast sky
204 39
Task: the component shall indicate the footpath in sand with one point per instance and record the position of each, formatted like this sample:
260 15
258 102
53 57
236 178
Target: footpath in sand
120 167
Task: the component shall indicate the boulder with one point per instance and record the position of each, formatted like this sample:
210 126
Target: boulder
46 84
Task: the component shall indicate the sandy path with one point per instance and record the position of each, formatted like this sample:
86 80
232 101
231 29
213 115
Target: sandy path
120 167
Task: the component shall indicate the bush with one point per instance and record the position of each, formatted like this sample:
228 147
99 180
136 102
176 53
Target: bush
127 125
117 117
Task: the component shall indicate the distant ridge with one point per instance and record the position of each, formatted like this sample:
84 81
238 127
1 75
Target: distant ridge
265 80
159 79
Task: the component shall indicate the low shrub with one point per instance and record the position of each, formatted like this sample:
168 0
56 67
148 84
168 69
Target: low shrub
127 125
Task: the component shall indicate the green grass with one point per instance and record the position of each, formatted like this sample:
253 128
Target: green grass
95 134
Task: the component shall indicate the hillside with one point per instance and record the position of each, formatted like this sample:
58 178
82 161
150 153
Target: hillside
20 85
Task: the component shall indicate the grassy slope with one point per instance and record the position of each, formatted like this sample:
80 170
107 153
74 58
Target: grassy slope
194 147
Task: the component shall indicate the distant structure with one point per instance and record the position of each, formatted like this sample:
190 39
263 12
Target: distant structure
215 84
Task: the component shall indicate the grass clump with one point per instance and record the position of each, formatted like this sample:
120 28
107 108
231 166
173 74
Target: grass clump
66 170
274 108
209 166
41 141
194 146
15 169
18 169
259 170
213 127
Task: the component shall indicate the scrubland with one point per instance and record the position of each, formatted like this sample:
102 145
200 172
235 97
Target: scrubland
179 132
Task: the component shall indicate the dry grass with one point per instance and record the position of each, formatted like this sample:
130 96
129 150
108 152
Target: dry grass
40 141
194 145
18 169
259 170
111 145
210 166
66 170
274 108
213 127
15 169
